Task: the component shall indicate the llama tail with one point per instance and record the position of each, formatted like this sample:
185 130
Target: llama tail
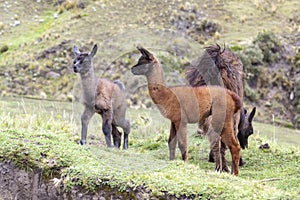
237 100
212 56
120 84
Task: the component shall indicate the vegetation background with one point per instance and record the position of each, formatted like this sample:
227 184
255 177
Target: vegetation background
36 40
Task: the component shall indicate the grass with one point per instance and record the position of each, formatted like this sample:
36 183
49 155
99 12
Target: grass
45 134
278 134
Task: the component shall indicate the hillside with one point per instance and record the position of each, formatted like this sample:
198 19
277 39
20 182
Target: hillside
36 40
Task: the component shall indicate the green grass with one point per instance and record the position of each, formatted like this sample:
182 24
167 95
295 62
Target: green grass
44 134
278 134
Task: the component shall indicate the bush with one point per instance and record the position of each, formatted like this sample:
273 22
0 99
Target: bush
269 45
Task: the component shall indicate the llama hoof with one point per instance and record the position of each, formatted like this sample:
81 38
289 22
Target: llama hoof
82 142
200 132
222 169
218 169
242 163
125 147
211 157
117 145
225 169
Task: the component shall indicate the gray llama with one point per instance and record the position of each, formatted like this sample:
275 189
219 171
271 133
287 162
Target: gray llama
101 96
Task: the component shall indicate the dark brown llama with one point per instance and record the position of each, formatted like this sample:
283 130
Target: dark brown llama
222 67
185 104
103 97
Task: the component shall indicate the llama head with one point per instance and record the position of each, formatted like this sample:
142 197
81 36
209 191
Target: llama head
83 61
246 128
145 64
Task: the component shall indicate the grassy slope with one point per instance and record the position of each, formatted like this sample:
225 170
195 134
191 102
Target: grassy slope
44 134
120 26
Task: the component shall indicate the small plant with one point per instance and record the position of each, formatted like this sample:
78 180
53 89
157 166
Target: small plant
270 46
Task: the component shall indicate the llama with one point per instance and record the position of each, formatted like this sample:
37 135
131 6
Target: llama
207 71
103 97
185 104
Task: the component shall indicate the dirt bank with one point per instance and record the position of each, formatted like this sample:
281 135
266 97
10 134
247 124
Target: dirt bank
19 184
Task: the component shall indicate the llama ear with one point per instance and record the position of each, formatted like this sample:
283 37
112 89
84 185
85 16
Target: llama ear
76 50
148 54
252 114
145 52
94 50
141 49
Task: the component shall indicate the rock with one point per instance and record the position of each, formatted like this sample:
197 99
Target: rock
16 17
1 25
71 97
3 49
62 97
53 75
43 95
16 23
268 104
292 96
265 146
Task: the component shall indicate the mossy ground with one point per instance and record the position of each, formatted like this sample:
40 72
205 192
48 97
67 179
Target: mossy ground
43 134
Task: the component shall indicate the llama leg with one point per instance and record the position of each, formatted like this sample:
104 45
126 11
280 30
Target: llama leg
172 141
219 156
224 161
107 126
231 142
206 128
182 140
211 157
215 148
200 131
126 129
215 145
85 119
120 120
203 127
116 136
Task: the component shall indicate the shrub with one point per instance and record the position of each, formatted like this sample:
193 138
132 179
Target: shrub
270 46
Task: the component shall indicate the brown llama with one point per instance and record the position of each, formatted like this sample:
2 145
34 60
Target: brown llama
103 97
206 71
185 104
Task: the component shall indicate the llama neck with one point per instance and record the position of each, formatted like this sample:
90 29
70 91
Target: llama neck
156 76
88 81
